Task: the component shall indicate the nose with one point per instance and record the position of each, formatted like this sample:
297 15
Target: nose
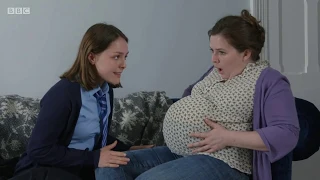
214 58
123 64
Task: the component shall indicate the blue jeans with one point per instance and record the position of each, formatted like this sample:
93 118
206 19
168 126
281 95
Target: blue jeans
160 163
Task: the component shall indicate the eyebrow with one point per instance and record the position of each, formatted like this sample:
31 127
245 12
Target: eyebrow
118 52
219 49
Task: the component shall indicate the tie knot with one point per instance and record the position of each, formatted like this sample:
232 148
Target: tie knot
99 94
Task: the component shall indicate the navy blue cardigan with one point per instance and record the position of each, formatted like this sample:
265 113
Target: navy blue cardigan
48 144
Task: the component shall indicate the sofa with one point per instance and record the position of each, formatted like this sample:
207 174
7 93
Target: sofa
137 119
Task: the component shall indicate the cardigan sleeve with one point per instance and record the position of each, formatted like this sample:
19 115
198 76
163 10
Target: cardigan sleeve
43 147
120 145
282 126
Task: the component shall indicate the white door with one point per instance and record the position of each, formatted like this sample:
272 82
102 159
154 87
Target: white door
293 28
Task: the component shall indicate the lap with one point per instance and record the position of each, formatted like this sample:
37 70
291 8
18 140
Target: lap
193 167
160 163
140 161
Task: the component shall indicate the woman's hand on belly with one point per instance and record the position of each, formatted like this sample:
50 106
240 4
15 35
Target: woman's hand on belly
212 141
219 138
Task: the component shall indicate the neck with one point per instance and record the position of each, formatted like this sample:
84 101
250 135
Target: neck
102 82
236 73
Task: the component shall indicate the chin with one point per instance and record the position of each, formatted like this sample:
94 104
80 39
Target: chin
115 84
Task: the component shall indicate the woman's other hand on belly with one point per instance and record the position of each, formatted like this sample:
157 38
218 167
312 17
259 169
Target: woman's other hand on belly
212 141
219 138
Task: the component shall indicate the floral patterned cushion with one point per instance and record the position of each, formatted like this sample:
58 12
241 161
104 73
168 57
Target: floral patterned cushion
17 118
137 119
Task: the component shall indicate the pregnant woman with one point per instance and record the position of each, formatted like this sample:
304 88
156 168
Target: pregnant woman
237 121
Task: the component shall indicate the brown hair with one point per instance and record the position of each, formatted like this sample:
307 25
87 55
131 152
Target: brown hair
242 32
96 39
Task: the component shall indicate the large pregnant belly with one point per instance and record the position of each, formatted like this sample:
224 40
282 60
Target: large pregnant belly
183 118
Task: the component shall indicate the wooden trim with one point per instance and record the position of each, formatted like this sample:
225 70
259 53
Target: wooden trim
259 9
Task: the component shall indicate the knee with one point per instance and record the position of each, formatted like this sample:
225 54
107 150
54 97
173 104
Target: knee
151 176
100 173
159 172
108 173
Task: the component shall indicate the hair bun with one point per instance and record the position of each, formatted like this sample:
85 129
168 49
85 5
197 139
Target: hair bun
245 14
249 18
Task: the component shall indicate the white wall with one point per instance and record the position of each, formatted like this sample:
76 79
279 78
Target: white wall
168 41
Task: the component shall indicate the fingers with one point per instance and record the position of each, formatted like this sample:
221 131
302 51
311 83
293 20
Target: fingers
113 159
112 165
111 146
118 154
213 149
109 158
201 149
119 161
117 158
211 123
197 144
199 135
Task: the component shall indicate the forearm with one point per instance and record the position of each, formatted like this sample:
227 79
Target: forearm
246 139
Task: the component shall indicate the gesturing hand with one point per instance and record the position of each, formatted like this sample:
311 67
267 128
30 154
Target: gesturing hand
109 158
213 140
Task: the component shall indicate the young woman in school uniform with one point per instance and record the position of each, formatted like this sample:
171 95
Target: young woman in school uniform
70 138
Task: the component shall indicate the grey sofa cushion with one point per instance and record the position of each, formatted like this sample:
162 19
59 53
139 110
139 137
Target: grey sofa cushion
17 118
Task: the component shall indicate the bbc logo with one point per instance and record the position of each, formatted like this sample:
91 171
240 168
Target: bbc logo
18 10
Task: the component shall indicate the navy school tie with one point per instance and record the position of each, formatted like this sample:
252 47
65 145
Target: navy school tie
102 100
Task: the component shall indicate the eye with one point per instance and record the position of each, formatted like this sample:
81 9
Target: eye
222 53
116 57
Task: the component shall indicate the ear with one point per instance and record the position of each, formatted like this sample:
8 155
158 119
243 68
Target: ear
92 58
247 55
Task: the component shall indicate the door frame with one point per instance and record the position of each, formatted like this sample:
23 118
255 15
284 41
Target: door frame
259 9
